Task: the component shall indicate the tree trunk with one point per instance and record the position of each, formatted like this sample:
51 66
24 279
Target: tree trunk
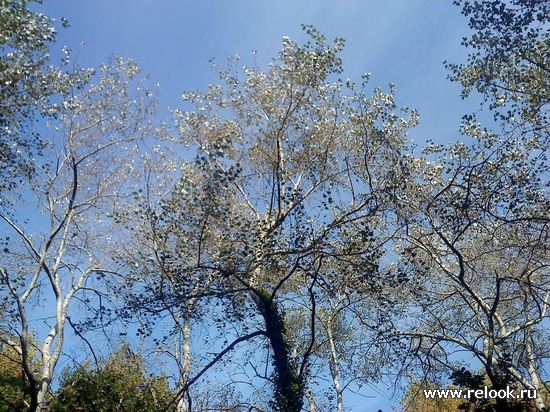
334 369
48 363
184 359
289 387
41 396
532 369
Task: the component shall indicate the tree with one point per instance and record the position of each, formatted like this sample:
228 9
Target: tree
120 383
287 198
477 246
476 234
57 233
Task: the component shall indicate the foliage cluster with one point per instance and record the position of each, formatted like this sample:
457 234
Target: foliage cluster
302 253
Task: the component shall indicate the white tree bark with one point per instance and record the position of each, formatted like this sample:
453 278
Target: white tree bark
58 223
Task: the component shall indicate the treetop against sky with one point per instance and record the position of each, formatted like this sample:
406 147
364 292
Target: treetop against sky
404 43
303 238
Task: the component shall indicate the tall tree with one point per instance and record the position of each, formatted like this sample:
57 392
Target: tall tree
57 233
477 229
287 198
477 242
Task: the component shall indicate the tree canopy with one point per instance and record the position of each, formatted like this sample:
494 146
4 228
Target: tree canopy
279 243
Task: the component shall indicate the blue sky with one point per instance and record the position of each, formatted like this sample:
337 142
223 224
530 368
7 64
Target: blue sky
400 41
